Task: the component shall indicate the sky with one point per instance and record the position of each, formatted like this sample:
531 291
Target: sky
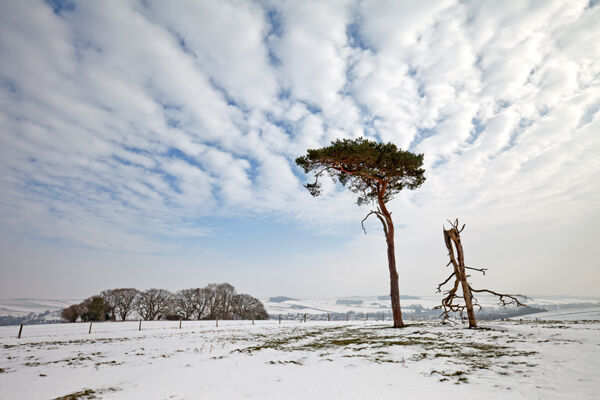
152 144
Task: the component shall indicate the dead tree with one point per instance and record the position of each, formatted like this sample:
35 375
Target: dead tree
457 260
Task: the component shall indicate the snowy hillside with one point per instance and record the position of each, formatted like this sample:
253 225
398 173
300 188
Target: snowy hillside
373 306
293 360
24 306
30 311
568 314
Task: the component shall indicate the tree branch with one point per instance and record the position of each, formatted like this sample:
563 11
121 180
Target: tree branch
513 298
446 281
339 168
378 215
482 270
362 223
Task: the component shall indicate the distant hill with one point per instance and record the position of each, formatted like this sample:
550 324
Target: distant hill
279 299
32 311
349 302
402 296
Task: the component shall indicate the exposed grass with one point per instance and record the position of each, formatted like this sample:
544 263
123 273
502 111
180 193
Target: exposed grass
473 349
295 362
459 375
86 394
83 394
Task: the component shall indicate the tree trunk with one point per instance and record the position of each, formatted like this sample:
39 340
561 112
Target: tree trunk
453 236
465 285
394 289
388 228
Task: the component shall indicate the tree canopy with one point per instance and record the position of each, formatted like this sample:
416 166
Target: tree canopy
366 167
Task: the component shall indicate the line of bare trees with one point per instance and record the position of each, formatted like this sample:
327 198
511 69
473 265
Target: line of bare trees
215 301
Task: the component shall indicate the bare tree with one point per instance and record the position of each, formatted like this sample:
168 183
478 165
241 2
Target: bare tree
152 302
244 306
185 303
125 301
218 298
121 301
201 296
452 240
225 293
211 300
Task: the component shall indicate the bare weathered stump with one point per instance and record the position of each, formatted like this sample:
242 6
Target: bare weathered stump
452 241
20 331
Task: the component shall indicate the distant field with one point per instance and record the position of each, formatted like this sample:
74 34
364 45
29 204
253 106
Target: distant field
570 314
374 305
31 310
313 360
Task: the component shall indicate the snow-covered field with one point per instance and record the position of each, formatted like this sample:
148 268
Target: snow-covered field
294 360
569 314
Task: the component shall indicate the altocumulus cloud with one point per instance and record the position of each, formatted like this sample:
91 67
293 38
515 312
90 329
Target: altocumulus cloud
125 124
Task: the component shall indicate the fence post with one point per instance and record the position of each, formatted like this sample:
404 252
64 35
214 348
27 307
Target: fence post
90 331
140 327
347 315
252 321
217 322
328 317
304 317
20 330
279 319
179 322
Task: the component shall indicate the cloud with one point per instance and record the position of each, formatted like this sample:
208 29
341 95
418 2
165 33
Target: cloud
129 125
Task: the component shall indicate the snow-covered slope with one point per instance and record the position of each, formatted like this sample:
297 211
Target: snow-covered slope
568 314
292 360
24 306
373 305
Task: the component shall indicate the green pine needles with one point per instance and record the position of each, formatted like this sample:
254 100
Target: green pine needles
365 167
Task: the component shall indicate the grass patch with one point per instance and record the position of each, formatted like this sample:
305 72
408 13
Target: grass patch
82 394
461 376
86 394
295 362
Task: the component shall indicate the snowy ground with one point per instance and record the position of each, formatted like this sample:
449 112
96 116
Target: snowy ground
294 360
